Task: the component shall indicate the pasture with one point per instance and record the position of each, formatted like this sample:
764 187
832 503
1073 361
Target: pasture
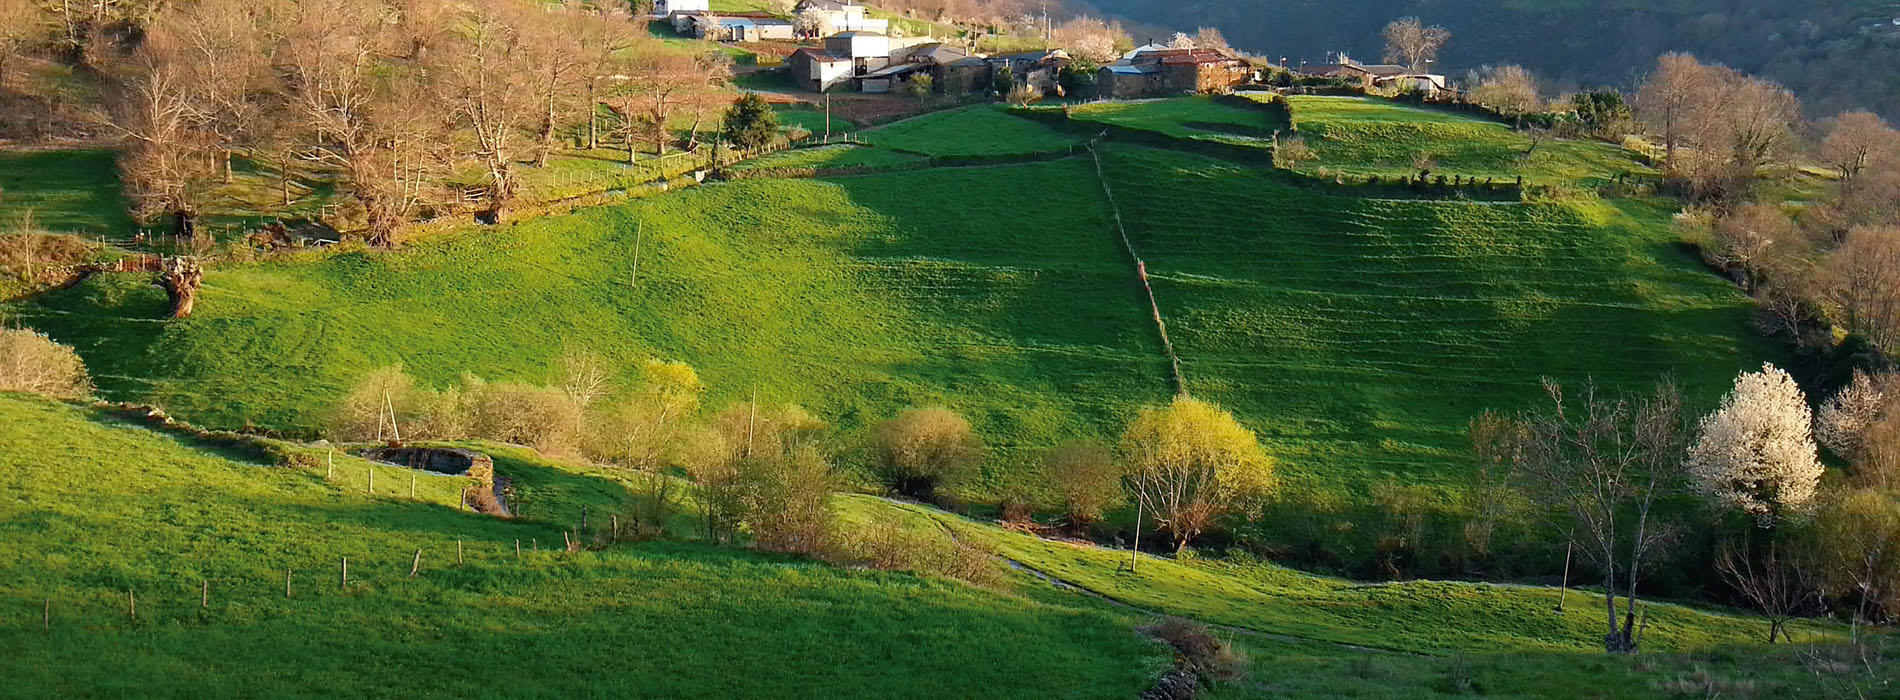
835 156
113 516
856 298
64 192
1359 336
1364 137
978 130
1186 118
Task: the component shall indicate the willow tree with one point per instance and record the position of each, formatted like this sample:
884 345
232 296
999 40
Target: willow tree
1189 463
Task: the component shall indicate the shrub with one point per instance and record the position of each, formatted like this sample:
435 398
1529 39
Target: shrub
1088 479
787 499
544 418
33 363
889 546
1198 651
924 450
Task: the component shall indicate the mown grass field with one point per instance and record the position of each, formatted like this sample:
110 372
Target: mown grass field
979 130
859 297
1359 336
1186 118
101 508
834 156
1364 136
65 192
96 510
1410 616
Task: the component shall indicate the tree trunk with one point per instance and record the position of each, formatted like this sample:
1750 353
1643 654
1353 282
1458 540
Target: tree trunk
181 278
593 119
227 166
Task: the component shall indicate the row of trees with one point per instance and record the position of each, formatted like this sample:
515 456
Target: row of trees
1610 475
395 98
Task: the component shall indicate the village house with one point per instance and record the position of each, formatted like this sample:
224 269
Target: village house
668 8
1378 76
823 18
1153 71
870 61
930 59
1037 69
738 26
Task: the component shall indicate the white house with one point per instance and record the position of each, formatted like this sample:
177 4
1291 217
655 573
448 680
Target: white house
663 8
830 17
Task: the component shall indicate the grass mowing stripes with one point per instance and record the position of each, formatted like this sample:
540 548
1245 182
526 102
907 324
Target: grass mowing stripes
65 192
1359 336
978 130
1364 136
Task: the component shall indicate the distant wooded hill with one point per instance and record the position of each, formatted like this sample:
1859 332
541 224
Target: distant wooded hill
1837 54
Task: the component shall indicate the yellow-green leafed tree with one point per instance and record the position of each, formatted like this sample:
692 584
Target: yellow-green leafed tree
1190 462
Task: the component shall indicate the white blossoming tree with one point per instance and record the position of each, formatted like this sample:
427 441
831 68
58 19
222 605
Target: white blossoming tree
1842 423
1757 453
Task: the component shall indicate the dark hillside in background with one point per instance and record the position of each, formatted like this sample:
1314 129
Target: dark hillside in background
1837 55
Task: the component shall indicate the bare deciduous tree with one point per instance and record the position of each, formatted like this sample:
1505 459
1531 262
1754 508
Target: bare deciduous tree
1863 282
1408 41
1782 585
1599 466
1089 39
1509 89
1858 140
1842 422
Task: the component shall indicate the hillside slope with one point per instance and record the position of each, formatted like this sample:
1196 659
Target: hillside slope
98 516
1357 334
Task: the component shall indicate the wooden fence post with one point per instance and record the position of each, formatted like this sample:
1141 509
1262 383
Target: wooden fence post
286 583
458 552
343 575
1566 584
329 471
417 566
132 604
371 488
517 549
567 542
204 594
616 523
46 617
412 485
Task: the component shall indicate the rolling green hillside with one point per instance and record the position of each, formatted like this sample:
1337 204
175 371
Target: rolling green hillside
94 510
1358 335
100 512
1360 137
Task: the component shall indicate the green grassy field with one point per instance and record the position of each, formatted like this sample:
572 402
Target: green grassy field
831 157
103 509
106 507
813 120
868 295
1363 136
65 191
1186 118
1410 616
980 130
1359 336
